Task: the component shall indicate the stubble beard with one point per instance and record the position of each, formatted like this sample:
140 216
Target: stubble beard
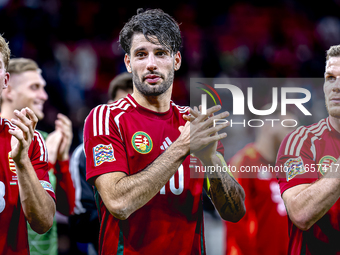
333 111
153 90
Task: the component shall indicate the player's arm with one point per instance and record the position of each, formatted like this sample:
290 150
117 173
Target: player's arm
58 145
225 192
38 206
123 194
307 203
227 195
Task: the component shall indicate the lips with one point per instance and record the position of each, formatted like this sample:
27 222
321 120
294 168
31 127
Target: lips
152 78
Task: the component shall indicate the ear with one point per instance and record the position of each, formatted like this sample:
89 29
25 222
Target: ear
178 60
127 62
6 80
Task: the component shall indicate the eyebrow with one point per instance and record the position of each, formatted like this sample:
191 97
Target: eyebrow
328 73
157 49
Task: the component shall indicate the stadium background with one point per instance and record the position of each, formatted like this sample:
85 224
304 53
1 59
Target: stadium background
75 44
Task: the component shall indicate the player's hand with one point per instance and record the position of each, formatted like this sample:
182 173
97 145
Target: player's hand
199 131
22 134
53 141
64 125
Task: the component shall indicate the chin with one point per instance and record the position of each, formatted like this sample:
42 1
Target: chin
334 112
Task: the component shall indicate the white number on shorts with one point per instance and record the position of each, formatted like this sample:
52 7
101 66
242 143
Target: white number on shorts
2 199
173 189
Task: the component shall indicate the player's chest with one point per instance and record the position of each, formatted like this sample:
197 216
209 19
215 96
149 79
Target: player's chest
8 177
327 153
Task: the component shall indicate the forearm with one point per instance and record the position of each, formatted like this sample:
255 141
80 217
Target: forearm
65 191
226 193
307 203
129 193
37 204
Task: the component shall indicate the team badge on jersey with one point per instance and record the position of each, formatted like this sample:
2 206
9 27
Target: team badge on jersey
141 142
103 153
293 167
325 163
11 163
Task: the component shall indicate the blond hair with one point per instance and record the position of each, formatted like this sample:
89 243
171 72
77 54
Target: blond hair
5 51
20 65
334 51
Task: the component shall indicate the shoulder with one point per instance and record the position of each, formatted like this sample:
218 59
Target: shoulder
302 137
98 122
180 109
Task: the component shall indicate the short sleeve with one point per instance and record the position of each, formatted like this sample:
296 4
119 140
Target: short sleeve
104 148
39 160
295 162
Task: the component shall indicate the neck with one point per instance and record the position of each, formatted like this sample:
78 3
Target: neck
266 146
7 112
335 122
159 103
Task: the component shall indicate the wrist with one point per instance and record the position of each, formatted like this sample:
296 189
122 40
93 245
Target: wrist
208 160
20 163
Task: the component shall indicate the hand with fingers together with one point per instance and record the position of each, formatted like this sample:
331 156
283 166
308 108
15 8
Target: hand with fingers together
22 134
201 134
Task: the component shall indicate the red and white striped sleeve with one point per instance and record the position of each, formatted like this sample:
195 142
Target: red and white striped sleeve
296 158
39 160
103 140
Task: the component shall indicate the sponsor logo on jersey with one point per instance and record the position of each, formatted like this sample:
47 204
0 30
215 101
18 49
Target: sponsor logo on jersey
293 167
141 142
325 163
47 186
103 153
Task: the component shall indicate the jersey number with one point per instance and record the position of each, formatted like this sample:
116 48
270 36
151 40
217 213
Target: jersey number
173 189
2 199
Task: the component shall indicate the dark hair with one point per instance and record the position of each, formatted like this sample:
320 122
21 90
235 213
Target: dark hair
152 22
122 81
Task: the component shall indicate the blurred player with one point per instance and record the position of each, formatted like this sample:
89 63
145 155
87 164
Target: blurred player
310 185
264 229
137 153
26 89
24 168
84 224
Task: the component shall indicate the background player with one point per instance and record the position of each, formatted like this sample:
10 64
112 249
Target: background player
84 224
26 89
310 186
137 153
24 168
264 229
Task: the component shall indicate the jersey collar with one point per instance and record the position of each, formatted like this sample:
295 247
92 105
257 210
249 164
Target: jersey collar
150 113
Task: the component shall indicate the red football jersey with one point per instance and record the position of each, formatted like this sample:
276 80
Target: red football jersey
264 228
13 230
304 155
124 136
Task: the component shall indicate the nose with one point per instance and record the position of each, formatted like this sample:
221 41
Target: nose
151 65
43 95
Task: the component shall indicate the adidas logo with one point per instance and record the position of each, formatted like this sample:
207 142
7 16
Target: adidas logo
166 144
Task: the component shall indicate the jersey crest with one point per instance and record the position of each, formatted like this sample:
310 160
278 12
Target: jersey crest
142 142
325 163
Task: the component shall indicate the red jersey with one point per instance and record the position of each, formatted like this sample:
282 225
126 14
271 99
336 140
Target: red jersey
124 136
13 230
264 228
305 154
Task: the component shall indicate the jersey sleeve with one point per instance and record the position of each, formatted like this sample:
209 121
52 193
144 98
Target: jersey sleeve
104 148
39 160
296 160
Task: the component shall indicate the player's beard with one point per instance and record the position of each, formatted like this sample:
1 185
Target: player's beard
153 90
333 111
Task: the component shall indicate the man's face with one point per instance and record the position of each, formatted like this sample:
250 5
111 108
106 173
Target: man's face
4 76
332 86
28 90
152 66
